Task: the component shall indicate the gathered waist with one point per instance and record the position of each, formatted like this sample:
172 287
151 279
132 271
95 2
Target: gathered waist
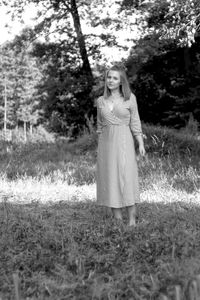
111 124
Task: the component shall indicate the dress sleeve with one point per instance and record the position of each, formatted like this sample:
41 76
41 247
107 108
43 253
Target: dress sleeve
135 123
99 121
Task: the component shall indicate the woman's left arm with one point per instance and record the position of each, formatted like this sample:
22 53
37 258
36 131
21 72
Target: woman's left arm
135 124
140 141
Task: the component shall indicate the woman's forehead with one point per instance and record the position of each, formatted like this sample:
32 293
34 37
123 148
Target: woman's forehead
113 73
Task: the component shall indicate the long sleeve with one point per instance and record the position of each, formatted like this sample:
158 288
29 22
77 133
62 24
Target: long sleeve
135 123
99 121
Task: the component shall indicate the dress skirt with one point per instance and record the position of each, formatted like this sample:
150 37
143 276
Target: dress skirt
117 172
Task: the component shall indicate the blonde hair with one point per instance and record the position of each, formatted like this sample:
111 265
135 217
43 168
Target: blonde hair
124 87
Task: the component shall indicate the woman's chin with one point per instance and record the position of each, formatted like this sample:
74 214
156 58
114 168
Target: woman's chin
112 88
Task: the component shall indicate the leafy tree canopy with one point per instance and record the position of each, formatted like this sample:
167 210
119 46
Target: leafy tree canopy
89 35
171 19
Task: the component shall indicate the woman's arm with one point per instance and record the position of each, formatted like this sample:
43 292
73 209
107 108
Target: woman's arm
99 122
140 141
135 124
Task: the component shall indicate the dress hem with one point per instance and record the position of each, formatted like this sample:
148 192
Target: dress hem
121 206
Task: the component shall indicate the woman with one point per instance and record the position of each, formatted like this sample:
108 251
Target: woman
117 123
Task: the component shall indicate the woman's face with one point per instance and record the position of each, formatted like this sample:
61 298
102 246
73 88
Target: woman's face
113 80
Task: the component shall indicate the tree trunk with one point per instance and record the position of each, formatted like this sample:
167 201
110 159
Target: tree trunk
81 41
31 129
5 109
25 136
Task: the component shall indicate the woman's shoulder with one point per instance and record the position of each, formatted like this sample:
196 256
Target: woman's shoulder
132 101
99 101
132 98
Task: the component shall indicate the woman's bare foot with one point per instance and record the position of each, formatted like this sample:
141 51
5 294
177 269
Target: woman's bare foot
132 223
117 213
132 215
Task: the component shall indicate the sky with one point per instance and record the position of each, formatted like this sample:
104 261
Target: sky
9 28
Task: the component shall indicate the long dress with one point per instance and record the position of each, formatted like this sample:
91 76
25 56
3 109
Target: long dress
117 172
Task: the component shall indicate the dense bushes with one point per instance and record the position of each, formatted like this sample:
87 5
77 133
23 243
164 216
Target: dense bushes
167 82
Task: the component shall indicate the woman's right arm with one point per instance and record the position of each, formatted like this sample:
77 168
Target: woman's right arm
99 121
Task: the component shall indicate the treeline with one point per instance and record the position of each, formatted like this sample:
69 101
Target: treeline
54 82
168 86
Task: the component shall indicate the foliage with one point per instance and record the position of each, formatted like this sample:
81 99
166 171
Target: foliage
68 83
7 85
53 14
176 19
164 65
170 19
45 153
39 135
21 75
156 40
164 141
167 85
66 98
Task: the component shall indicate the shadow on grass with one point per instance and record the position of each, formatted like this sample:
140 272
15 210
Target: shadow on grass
77 250
56 161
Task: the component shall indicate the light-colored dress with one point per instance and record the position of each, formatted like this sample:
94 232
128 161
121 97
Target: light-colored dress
117 172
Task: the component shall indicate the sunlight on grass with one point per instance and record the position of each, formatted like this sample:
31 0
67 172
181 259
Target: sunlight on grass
28 190
167 194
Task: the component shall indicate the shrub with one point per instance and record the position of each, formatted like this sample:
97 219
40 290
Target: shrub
165 141
40 134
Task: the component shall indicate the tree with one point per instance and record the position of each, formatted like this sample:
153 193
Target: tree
55 11
175 19
22 77
7 83
100 31
164 65
66 100
167 89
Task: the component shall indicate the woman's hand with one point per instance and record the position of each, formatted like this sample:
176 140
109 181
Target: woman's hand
141 145
142 150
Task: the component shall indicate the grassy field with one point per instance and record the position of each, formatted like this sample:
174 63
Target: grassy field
57 244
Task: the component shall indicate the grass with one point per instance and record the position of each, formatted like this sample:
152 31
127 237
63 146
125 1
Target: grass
57 244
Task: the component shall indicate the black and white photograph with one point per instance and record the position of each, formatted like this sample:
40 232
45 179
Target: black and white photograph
99 150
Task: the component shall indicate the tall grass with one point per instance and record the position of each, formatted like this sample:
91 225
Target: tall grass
62 170
57 244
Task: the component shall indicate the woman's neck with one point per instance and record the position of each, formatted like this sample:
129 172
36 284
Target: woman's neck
115 93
